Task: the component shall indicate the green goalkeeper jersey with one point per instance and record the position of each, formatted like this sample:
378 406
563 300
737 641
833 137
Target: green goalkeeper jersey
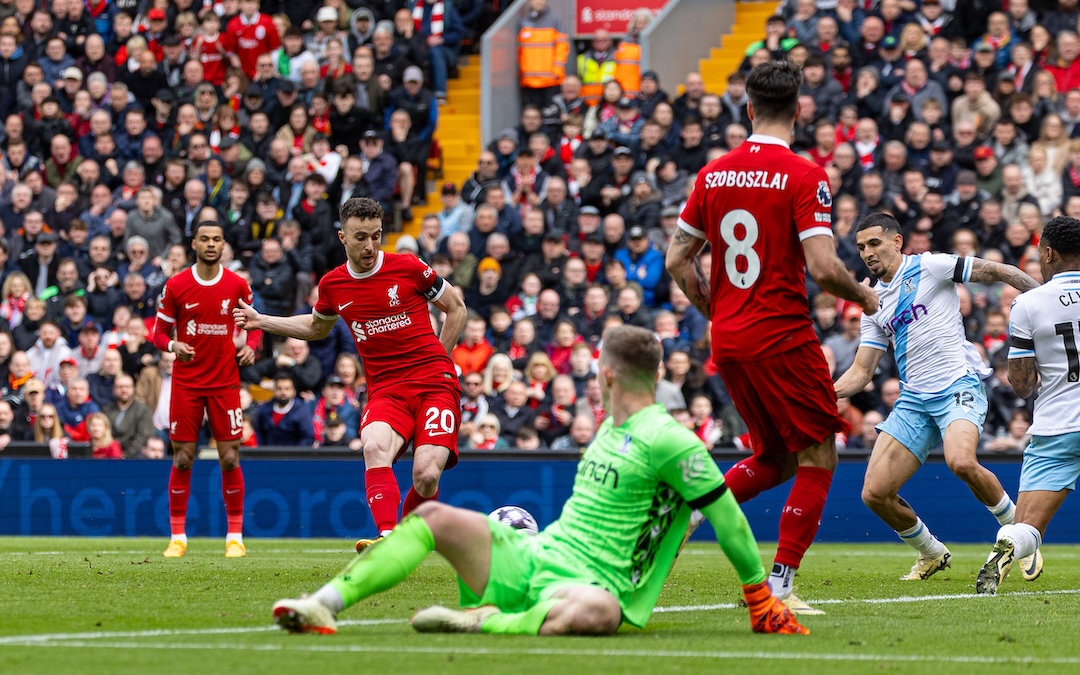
634 490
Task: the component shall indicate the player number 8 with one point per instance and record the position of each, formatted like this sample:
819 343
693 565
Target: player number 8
740 248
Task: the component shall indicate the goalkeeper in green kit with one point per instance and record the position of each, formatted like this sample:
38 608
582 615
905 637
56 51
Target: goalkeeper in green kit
603 562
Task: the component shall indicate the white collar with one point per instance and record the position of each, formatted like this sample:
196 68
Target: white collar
199 280
764 139
369 273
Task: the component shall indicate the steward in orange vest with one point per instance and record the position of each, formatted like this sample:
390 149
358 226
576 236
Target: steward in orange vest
628 67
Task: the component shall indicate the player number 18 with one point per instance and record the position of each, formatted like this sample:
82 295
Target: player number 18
740 248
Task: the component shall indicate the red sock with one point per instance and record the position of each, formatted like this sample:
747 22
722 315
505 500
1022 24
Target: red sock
752 476
232 489
414 499
383 496
802 514
179 489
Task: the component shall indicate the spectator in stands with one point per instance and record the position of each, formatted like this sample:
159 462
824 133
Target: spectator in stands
472 353
75 410
643 263
131 421
294 362
273 278
443 34
47 353
333 406
284 419
474 404
381 172
102 382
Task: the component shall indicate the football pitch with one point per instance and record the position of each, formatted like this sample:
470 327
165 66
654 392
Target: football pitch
117 606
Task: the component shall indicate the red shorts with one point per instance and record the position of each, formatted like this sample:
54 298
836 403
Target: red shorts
420 412
188 408
787 401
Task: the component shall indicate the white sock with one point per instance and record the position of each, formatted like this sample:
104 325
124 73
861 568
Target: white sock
1004 510
921 539
384 533
781 579
1025 538
329 597
234 536
182 538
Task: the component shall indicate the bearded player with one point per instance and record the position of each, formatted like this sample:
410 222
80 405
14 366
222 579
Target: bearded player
198 303
767 215
413 392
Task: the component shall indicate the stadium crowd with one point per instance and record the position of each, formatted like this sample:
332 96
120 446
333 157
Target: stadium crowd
125 123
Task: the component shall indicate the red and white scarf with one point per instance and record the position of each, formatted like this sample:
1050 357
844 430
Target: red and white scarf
436 17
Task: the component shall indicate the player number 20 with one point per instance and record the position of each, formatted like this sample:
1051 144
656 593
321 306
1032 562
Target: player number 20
439 420
740 248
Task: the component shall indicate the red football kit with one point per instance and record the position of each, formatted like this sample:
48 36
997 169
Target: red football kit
251 38
755 206
211 53
412 383
201 313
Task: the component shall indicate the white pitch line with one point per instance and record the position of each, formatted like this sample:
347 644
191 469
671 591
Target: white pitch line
67 638
168 632
874 601
443 650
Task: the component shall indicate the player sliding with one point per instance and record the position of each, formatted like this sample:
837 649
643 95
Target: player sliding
1042 331
198 303
603 562
943 399
413 392
766 214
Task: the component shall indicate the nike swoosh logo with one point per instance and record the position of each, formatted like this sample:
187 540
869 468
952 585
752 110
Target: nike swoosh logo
178 492
231 492
189 306
439 433
341 307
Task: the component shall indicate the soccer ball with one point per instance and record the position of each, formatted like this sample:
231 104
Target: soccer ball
515 517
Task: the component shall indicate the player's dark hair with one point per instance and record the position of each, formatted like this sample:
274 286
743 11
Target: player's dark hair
773 88
205 223
1063 235
635 355
878 219
363 208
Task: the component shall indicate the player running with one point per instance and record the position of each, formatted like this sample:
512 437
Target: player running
766 214
198 303
1042 331
413 392
943 399
603 562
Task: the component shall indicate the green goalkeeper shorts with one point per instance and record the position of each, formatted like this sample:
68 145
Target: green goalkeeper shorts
523 572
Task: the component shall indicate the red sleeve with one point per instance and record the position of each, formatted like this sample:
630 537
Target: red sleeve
324 308
692 220
813 205
166 319
228 38
273 40
254 337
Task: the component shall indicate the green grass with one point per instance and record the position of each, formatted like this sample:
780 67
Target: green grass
117 606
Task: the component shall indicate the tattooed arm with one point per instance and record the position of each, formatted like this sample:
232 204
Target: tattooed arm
1023 376
684 265
984 271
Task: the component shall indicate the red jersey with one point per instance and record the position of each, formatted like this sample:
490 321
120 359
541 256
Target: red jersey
201 311
386 310
211 52
755 206
250 39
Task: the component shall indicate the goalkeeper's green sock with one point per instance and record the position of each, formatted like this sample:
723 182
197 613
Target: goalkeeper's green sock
381 566
519 623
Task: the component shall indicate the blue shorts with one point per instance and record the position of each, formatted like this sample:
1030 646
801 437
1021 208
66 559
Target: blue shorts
918 421
1051 463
